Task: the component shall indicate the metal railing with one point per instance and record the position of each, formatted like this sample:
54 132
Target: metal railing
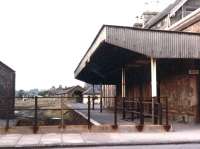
146 107
140 108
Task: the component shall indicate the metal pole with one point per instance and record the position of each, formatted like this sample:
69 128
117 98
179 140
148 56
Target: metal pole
167 118
101 100
153 111
115 112
123 109
7 119
160 113
36 115
93 97
133 109
141 112
89 124
7 123
62 118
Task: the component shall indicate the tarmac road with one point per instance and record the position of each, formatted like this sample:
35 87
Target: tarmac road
171 146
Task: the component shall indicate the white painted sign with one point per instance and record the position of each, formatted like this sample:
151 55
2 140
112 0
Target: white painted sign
194 72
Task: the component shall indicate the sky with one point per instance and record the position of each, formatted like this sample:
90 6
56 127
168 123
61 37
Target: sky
44 40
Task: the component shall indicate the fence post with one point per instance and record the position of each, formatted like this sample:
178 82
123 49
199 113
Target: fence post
101 104
133 109
7 123
141 112
89 124
93 96
153 111
123 109
62 118
166 112
115 112
35 128
160 113
93 103
7 119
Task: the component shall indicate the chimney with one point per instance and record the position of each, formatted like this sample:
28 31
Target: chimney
147 16
144 18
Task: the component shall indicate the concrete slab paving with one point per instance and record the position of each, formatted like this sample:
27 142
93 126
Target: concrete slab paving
29 140
97 138
72 139
51 139
9 140
106 117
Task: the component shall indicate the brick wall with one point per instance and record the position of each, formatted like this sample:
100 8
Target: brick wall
193 28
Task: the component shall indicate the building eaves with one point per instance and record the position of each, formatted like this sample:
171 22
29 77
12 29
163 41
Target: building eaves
161 15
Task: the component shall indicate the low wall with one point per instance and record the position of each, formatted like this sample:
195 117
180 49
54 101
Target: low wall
84 128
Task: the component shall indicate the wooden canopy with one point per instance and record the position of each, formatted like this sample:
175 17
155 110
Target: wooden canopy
115 46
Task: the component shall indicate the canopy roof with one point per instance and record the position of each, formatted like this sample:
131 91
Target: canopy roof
114 46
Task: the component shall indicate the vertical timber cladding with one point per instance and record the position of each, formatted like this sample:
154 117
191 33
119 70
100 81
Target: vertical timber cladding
109 91
7 91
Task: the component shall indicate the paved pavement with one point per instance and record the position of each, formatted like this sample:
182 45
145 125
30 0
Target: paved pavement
97 139
104 117
183 134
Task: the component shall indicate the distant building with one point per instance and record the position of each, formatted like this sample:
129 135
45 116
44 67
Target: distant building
92 93
7 91
74 92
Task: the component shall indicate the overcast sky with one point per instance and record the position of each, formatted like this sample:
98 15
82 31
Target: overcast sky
44 40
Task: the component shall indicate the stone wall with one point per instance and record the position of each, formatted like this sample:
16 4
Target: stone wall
176 84
7 92
181 91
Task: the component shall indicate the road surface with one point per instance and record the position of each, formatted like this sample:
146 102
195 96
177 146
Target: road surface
172 146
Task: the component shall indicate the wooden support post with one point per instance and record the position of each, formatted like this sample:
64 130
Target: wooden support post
35 127
153 86
123 93
89 124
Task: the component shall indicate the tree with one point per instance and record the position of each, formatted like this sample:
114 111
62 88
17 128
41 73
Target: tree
43 93
21 93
